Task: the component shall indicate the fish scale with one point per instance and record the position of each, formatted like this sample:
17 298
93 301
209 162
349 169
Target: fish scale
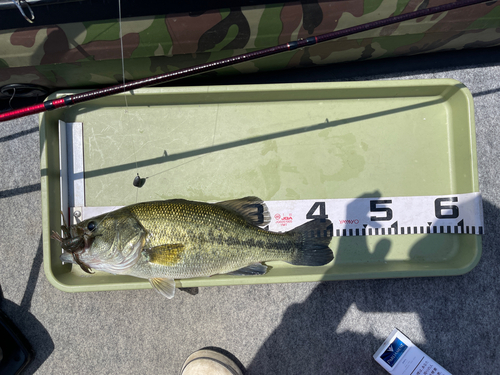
215 239
176 239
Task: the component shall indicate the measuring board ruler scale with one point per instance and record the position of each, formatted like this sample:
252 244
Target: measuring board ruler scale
435 214
443 214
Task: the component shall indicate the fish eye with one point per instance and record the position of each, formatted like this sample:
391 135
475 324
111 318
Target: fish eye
91 226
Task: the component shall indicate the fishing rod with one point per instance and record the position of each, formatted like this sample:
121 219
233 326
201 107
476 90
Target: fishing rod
182 73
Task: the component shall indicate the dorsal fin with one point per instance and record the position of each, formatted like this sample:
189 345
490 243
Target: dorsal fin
252 209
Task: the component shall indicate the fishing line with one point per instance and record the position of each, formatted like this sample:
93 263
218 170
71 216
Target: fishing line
121 48
143 180
12 97
215 126
124 114
125 95
177 166
190 161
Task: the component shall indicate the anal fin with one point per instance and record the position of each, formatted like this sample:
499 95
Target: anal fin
164 286
251 270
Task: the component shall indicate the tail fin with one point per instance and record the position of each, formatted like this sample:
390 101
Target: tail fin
314 243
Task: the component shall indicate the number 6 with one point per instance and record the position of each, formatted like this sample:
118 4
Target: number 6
438 208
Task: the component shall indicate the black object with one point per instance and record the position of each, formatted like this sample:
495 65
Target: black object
17 95
16 352
24 90
193 291
138 182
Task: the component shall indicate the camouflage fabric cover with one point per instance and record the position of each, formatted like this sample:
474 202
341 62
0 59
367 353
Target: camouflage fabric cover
80 55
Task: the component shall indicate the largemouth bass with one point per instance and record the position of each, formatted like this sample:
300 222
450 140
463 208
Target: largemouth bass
175 239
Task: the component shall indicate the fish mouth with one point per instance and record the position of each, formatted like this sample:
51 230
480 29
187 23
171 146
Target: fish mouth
74 258
83 244
72 254
74 242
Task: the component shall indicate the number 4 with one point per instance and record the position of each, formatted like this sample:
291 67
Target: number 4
322 212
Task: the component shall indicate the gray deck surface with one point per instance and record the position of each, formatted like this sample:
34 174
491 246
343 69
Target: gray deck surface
307 328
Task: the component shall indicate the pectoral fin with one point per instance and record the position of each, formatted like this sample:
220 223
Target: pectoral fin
165 255
164 286
253 269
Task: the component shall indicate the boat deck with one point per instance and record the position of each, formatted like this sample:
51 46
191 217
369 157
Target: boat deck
306 328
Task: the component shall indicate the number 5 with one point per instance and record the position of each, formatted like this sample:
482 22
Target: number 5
387 210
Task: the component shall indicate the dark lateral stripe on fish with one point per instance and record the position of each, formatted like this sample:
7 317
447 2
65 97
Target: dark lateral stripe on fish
225 239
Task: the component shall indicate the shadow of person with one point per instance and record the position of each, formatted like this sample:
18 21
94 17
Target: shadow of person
341 324
355 249
310 338
27 323
308 342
